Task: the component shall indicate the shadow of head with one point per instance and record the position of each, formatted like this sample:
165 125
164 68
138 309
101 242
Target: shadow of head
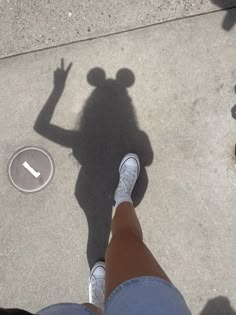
230 18
218 306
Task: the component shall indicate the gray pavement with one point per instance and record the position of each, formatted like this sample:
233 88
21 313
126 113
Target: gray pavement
185 73
30 25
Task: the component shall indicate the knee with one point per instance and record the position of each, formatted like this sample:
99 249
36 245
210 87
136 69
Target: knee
127 235
123 242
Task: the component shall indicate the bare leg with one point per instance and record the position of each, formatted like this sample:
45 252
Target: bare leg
127 256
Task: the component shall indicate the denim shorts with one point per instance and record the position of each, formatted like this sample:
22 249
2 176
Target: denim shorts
138 296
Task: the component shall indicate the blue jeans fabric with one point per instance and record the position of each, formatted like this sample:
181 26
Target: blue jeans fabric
139 296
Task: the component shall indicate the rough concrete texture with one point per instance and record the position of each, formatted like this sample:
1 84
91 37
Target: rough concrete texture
30 25
183 94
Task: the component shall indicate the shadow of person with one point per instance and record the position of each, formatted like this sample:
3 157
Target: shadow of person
230 18
107 130
218 306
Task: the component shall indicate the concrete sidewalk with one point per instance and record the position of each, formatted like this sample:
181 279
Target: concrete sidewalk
31 25
185 73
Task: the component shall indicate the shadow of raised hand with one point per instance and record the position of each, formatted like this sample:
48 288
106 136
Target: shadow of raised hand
42 124
60 75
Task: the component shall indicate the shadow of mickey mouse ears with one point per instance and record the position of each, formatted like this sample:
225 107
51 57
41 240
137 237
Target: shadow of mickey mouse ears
97 77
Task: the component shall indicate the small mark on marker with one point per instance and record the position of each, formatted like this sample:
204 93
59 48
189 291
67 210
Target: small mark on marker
31 170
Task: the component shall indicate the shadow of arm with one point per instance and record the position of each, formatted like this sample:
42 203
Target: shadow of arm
46 129
42 125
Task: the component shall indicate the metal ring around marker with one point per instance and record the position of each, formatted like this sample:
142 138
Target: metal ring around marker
36 170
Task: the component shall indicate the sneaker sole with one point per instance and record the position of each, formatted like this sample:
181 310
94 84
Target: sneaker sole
130 156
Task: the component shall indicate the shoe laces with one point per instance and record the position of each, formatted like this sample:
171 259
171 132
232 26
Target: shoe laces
127 179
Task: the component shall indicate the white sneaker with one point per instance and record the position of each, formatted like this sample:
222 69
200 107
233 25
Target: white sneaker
97 285
129 172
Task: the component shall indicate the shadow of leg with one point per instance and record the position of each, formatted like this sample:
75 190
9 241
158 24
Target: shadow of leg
96 202
99 226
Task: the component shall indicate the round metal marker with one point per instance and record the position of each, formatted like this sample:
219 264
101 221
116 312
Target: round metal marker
30 169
